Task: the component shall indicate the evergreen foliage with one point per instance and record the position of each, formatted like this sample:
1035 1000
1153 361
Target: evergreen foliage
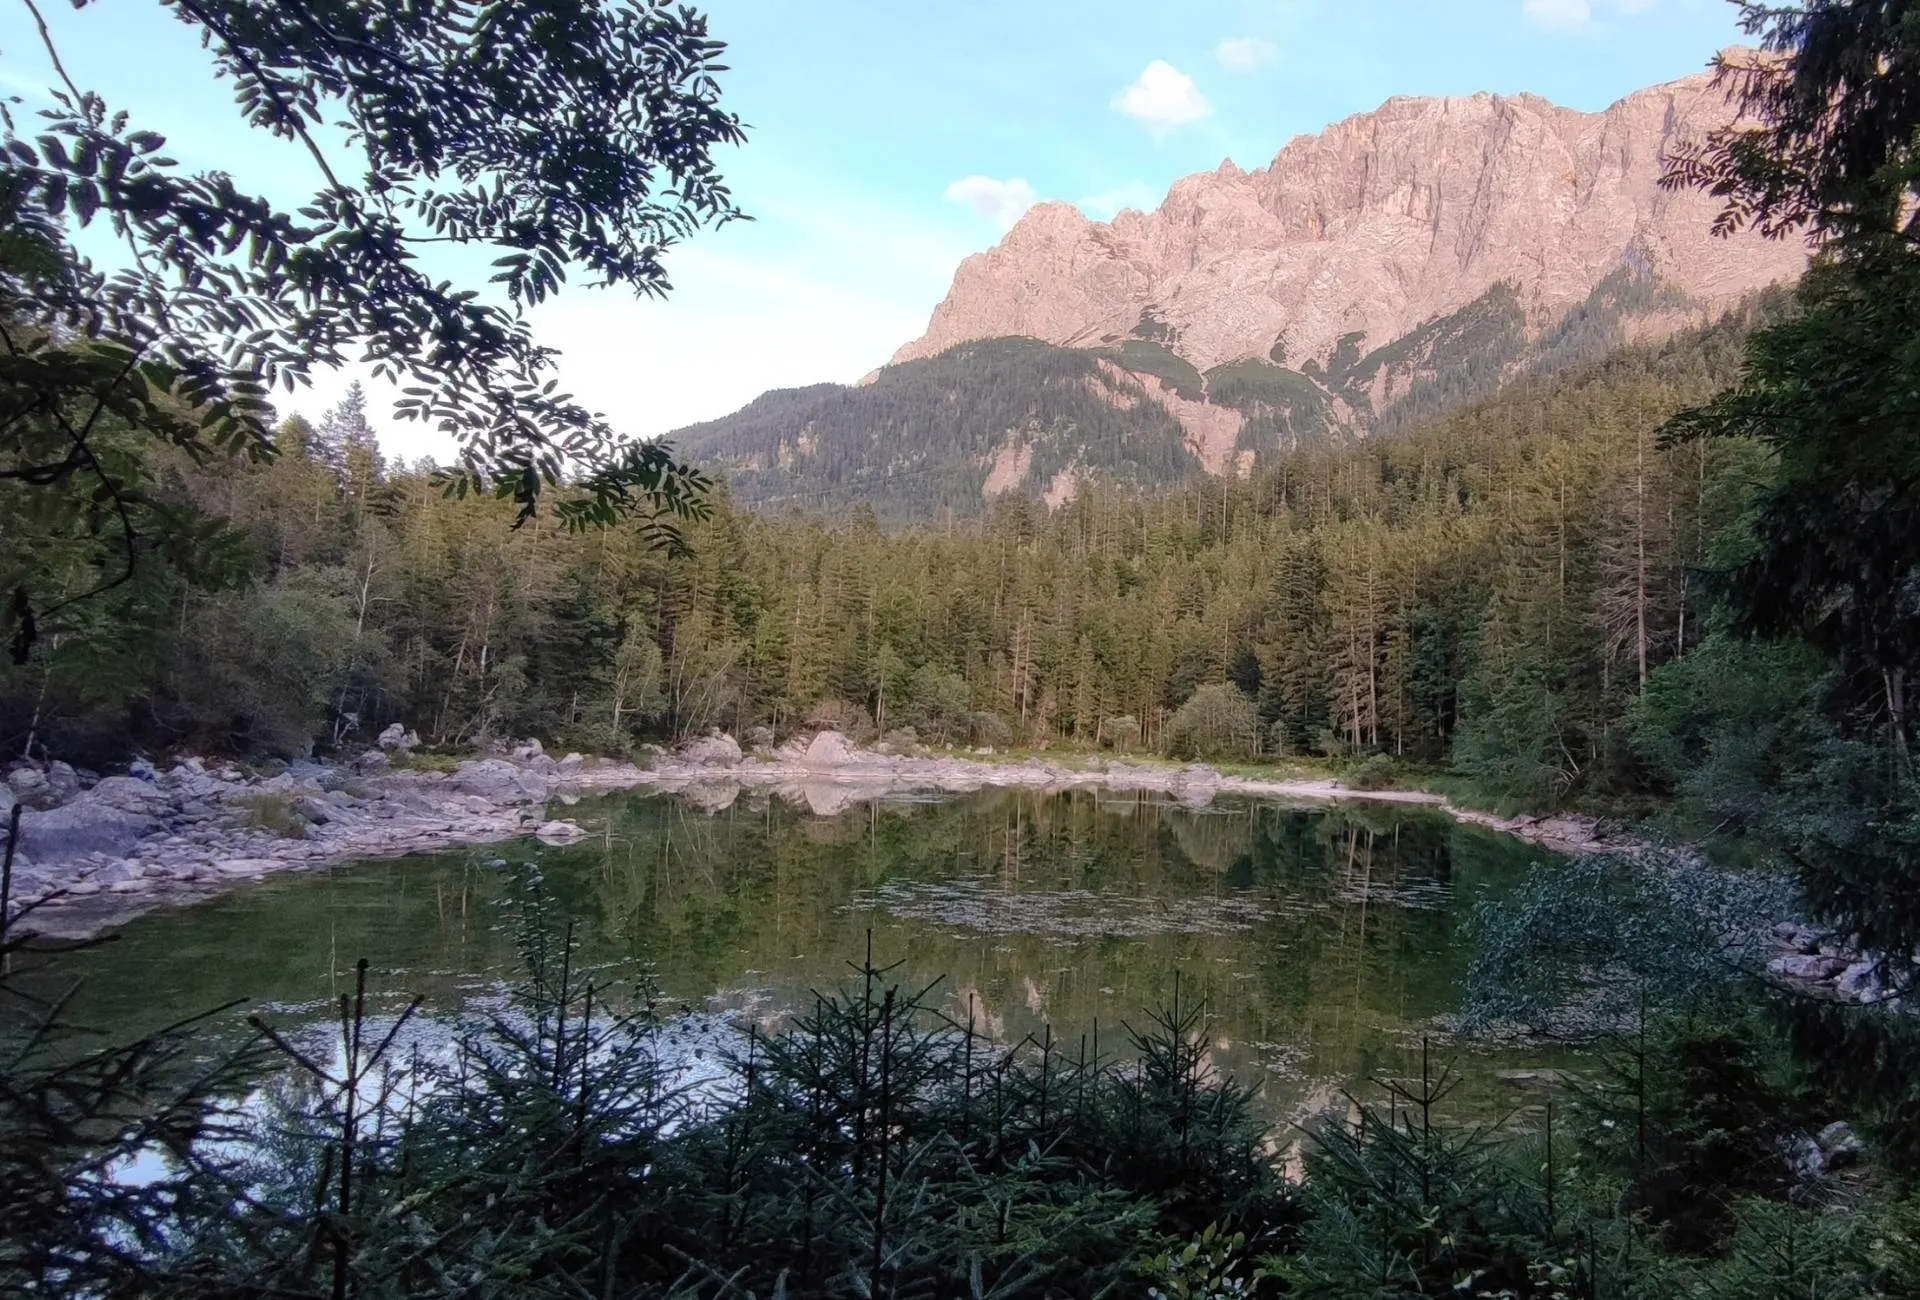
1480 591
605 114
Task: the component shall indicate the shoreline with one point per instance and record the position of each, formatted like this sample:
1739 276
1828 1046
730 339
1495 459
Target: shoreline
131 844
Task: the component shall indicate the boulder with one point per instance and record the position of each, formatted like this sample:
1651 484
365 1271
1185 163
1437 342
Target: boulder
372 763
715 749
397 737
760 738
29 786
128 794
1805 1160
500 781
1799 936
830 749
1839 1144
314 810
142 770
528 749
1807 966
67 835
1860 982
62 781
571 765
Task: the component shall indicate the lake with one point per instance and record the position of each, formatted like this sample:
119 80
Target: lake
1326 939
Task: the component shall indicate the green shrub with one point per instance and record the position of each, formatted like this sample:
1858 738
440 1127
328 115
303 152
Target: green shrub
1375 772
419 761
273 812
1217 721
989 729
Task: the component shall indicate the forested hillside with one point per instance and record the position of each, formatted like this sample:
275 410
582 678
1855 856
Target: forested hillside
946 435
1495 587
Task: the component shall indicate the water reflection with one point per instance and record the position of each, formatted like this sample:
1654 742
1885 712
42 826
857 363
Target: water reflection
1325 939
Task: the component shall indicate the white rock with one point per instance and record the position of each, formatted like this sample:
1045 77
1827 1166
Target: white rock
830 749
559 832
716 749
397 737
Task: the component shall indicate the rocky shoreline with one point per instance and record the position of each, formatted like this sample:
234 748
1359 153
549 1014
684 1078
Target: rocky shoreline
94 852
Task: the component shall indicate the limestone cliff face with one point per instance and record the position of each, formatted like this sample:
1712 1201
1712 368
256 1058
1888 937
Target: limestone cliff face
1380 223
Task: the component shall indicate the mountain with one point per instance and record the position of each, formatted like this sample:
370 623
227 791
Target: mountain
1398 264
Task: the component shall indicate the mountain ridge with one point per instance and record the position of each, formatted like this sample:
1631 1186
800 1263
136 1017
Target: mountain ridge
1376 275
1380 222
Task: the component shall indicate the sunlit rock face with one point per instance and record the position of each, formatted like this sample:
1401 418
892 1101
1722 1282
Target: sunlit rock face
1381 222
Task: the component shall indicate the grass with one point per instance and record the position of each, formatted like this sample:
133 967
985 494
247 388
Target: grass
416 761
274 813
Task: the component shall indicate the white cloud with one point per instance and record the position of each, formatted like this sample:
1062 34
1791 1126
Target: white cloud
1002 201
1107 204
1558 15
1244 53
1162 98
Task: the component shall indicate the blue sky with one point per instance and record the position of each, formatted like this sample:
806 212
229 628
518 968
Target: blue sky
889 139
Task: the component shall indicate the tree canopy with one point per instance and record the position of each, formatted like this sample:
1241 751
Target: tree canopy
562 136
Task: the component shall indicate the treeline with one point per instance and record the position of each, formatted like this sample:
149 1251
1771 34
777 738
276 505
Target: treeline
1494 589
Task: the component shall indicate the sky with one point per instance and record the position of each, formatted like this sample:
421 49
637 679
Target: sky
889 139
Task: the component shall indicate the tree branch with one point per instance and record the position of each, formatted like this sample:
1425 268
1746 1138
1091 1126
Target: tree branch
46 39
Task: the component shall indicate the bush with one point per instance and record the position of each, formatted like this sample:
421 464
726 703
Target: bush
901 740
1217 721
873 1148
849 720
989 729
1375 772
273 812
1122 733
936 704
418 761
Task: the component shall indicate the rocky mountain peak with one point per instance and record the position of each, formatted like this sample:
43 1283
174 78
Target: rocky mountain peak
1380 223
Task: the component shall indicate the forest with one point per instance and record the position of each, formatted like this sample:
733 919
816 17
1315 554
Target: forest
1495 590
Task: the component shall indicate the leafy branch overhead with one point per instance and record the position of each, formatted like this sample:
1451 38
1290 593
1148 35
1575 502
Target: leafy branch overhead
562 135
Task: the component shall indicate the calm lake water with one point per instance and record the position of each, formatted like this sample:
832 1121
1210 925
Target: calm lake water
1326 940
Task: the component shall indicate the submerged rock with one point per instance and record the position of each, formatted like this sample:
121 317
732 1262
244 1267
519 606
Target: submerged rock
559 832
